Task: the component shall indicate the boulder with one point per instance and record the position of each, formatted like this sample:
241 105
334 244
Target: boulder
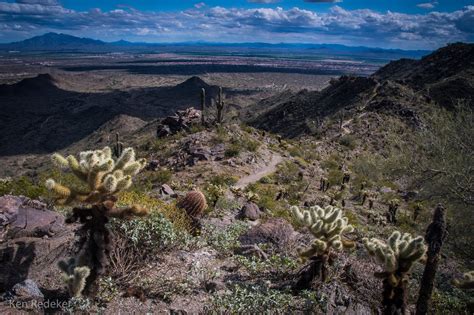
250 211
182 120
36 240
23 217
26 291
166 190
276 232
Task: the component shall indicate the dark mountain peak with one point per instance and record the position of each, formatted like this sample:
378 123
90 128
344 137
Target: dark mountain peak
41 84
55 41
194 83
445 62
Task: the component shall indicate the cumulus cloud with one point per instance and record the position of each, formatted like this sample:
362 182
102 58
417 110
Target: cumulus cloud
352 27
427 5
263 1
199 5
321 1
40 2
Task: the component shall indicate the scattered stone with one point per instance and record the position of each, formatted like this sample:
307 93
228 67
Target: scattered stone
252 250
182 120
250 211
166 190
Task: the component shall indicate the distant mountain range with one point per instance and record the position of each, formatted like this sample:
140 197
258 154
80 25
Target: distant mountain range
53 42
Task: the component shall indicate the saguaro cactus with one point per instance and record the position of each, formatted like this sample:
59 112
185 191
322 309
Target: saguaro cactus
103 177
203 105
328 225
397 256
220 106
118 146
435 236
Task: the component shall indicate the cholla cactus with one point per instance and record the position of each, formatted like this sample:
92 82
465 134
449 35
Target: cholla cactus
103 177
102 174
397 256
74 277
328 225
467 283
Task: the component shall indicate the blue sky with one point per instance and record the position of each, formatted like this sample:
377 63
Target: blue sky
409 24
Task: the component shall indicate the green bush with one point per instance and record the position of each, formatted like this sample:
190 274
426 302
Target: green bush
348 141
252 299
152 234
223 240
232 150
22 186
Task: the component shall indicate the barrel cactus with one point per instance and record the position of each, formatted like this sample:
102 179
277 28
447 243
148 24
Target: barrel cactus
397 256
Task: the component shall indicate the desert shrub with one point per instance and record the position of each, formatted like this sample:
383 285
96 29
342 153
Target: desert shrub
275 264
449 302
288 173
223 240
266 180
349 141
366 168
232 150
332 162
152 234
252 299
223 180
335 176
162 176
22 186
176 216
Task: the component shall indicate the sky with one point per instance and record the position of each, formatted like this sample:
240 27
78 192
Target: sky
406 24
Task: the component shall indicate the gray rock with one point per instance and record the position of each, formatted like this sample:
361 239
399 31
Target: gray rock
250 211
276 232
166 190
27 291
24 217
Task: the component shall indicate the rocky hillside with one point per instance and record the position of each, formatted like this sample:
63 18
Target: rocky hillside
229 218
44 117
402 87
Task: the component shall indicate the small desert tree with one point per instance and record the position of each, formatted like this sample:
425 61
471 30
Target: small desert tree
103 176
328 226
397 257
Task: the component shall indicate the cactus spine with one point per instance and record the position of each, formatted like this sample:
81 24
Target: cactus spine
328 226
435 236
397 256
220 106
103 176
203 105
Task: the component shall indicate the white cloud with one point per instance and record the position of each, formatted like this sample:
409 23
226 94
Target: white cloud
338 25
199 5
427 5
